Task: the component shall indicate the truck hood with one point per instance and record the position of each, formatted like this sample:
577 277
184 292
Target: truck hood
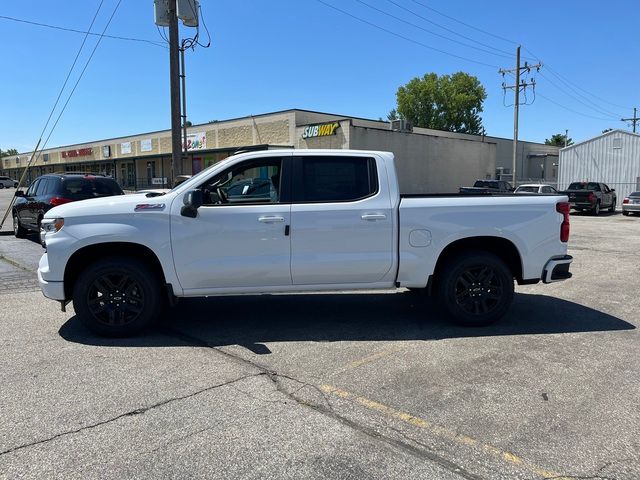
117 204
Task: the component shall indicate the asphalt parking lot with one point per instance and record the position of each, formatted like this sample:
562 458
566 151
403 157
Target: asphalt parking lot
349 385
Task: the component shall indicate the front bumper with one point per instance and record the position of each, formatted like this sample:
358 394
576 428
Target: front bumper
52 290
557 269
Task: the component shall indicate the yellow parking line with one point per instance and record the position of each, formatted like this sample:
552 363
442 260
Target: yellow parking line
369 359
440 431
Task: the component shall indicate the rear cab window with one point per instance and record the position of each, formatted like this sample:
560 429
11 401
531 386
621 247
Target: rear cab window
330 179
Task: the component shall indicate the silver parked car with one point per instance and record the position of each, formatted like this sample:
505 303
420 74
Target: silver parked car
631 204
6 182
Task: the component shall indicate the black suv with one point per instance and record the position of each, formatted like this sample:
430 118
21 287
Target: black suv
55 189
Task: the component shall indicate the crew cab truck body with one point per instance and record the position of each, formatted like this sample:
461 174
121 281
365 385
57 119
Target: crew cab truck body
329 220
591 196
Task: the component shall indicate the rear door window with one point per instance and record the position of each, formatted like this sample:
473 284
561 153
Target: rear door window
334 179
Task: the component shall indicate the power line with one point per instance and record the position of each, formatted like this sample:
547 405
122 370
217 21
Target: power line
73 65
427 30
465 24
56 27
572 110
591 105
403 37
64 107
566 80
503 52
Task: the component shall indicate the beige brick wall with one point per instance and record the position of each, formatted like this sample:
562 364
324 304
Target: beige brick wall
235 136
274 133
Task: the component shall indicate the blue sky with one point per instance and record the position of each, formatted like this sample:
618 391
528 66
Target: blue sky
279 54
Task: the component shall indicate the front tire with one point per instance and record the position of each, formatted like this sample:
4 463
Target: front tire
612 208
475 288
596 209
117 297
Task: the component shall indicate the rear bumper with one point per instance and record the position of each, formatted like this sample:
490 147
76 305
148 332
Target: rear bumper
557 269
631 207
582 205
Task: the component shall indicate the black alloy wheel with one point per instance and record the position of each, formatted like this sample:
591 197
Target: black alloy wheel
117 296
475 288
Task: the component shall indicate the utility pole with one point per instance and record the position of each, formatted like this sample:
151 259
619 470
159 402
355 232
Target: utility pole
633 120
517 86
183 76
174 78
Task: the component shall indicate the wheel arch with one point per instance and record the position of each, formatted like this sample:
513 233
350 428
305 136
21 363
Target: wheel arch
82 257
501 247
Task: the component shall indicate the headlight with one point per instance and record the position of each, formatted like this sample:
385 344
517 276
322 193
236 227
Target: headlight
51 225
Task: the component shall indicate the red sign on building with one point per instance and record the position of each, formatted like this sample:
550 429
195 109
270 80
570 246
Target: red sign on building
82 152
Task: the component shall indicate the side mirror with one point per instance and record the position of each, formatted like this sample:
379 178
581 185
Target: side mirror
19 193
613 189
192 202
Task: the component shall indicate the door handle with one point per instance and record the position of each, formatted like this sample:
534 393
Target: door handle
270 219
372 217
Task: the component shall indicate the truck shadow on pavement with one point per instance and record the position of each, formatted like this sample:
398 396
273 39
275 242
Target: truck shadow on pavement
251 321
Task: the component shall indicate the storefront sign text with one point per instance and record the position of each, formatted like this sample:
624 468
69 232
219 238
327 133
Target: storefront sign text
196 141
323 130
82 152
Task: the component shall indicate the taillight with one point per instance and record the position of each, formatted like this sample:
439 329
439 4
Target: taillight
55 201
626 200
591 197
564 208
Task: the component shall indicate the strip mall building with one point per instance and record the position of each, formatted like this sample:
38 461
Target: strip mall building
427 160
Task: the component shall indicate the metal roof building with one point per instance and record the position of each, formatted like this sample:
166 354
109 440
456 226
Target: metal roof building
612 158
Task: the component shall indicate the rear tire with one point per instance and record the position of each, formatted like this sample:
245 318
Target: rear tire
625 213
117 297
475 288
596 209
18 230
1 186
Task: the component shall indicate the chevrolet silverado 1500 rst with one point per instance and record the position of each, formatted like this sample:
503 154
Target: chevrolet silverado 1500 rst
292 221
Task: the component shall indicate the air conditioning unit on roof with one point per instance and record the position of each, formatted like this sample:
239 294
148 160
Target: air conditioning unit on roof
401 126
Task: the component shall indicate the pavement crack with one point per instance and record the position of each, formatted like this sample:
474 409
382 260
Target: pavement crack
327 409
137 411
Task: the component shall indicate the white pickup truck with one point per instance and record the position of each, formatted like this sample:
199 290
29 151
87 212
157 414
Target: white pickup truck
293 221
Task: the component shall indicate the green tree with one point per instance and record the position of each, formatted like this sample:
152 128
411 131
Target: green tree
7 153
557 139
446 102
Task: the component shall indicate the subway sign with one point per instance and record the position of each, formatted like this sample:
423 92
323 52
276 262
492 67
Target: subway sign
323 130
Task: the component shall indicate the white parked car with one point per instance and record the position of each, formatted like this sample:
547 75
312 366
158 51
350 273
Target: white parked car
326 220
6 182
540 188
